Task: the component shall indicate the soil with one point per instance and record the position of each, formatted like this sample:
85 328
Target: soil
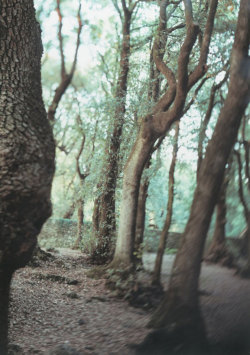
57 304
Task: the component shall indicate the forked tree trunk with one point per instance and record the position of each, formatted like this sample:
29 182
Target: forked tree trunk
156 277
181 303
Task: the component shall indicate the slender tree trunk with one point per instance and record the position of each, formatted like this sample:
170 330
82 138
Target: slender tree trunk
156 277
106 229
181 304
140 222
80 218
5 280
69 213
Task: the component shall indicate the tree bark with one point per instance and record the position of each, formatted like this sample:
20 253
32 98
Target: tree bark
181 303
164 234
26 145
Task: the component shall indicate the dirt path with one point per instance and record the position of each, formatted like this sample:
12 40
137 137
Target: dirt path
57 304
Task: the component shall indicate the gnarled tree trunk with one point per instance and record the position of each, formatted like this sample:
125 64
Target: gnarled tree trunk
26 146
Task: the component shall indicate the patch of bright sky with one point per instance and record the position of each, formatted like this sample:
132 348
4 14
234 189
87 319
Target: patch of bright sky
92 14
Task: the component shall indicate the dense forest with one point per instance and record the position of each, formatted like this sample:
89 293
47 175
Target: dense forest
124 131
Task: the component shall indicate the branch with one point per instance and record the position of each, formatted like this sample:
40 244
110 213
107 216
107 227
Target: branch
81 175
205 122
65 77
158 54
190 103
201 68
77 41
60 38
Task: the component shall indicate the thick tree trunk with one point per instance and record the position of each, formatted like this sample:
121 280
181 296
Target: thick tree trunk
26 145
164 234
181 304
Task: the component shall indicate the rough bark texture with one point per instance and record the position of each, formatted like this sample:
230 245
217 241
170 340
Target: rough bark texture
181 305
156 124
156 277
105 221
26 144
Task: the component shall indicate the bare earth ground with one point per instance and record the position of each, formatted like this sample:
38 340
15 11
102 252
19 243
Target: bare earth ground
82 313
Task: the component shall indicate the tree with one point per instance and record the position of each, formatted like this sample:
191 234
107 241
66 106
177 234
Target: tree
180 307
104 219
158 121
26 145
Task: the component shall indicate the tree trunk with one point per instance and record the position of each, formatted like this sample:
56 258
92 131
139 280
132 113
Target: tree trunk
106 229
80 217
164 234
69 213
140 222
181 303
131 183
26 145
218 252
